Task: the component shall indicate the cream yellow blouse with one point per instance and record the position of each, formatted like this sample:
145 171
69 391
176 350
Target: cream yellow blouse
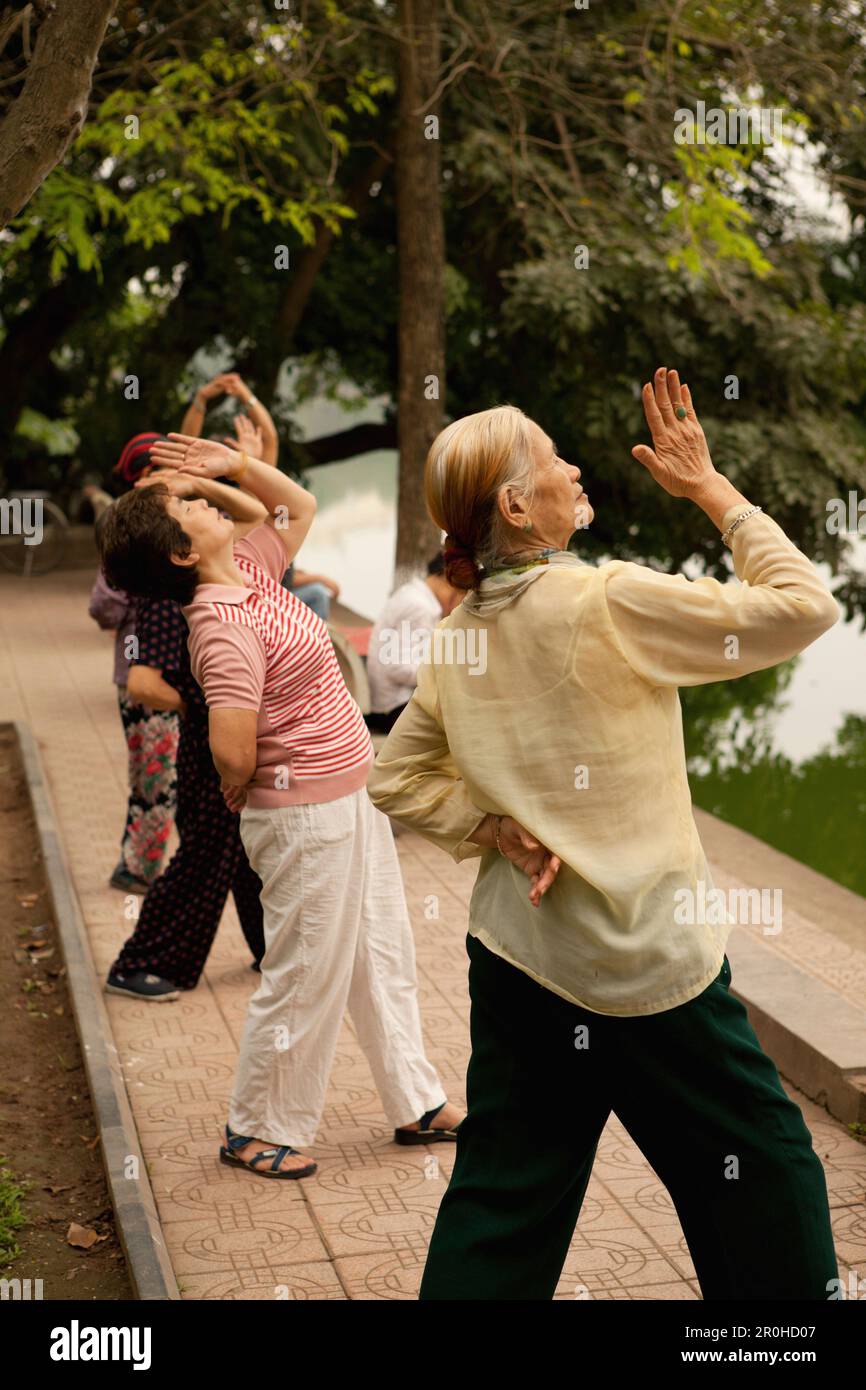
554 700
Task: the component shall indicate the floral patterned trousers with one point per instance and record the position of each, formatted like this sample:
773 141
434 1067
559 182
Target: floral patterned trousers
151 741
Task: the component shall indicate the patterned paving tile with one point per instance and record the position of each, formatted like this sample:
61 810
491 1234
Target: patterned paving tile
394 1275
359 1227
244 1240
293 1283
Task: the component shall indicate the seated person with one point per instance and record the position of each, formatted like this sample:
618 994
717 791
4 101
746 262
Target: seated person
411 612
315 590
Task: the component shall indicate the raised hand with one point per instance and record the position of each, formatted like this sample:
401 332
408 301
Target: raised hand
234 385
178 484
680 458
211 389
203 458
249 436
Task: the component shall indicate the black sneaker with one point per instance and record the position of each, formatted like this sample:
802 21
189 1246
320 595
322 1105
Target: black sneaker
142 986
126 882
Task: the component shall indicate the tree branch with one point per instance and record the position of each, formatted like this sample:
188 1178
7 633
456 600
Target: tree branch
360 439
52 107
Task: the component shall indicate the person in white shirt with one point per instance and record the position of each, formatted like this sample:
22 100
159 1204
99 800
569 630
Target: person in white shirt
399 640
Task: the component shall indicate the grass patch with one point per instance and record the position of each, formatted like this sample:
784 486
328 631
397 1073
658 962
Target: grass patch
11 1214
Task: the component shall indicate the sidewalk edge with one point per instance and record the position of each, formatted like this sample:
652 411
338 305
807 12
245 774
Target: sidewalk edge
138 1224
816 1038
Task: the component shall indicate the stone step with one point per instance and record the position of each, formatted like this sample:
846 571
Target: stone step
816 1037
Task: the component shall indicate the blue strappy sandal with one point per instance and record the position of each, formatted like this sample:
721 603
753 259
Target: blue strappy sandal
424 1134
233 1142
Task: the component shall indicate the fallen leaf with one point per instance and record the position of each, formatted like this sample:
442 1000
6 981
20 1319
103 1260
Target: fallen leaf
59 1010
28 899
82 1237
54 1190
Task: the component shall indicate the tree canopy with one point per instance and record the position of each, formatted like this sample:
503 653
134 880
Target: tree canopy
584 243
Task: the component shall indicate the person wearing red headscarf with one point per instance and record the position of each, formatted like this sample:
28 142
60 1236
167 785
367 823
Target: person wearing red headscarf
134 461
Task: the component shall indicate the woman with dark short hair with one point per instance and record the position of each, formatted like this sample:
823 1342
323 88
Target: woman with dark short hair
293 753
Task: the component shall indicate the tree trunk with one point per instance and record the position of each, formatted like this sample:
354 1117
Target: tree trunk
421 258
52 108
346 444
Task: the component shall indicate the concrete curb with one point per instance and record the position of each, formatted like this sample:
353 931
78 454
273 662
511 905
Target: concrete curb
138 1224
816 1038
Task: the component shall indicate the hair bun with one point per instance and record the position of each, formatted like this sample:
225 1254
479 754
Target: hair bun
460 567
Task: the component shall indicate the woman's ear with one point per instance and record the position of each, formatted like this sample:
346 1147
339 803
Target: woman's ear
186 562
512 508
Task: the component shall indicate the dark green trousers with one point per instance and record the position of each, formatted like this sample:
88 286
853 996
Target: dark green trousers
697 1094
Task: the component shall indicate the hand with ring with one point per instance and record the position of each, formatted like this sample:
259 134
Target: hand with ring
680 458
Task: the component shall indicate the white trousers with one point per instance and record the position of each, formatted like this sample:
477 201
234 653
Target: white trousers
337 934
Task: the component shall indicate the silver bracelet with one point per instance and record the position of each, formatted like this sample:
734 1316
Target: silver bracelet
253 400
738 521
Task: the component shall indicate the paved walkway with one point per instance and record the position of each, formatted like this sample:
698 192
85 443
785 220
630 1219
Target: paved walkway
359 1228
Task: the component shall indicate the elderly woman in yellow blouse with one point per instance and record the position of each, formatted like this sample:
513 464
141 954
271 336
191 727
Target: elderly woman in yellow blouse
560 758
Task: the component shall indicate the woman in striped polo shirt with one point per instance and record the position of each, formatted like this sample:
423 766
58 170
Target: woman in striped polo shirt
293 752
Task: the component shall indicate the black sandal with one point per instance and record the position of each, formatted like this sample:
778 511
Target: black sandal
424 1134
239 1141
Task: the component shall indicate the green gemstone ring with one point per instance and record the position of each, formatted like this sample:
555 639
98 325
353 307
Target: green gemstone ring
681 412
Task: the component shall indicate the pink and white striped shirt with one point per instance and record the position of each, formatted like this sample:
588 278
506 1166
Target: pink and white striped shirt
259 647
